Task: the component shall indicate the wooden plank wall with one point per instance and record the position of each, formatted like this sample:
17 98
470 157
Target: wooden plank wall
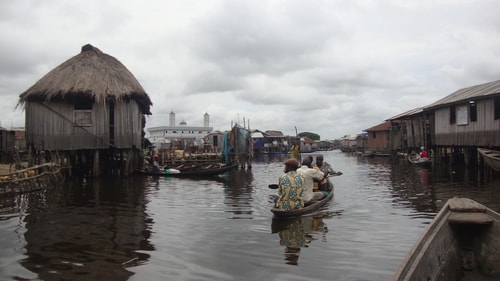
51 127
483 132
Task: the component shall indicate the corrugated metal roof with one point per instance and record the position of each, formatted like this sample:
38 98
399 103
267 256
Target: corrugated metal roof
408 113
274 133
470 93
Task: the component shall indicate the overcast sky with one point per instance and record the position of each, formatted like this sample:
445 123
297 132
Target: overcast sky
329 67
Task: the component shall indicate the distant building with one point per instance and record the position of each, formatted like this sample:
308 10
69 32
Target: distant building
379 138
182 136
349 143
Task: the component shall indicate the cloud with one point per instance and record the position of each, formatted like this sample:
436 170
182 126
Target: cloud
329 67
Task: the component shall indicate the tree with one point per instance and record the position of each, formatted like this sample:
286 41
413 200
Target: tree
309 135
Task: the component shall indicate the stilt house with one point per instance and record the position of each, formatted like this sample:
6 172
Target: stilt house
468 117
89 110
415 130
379 139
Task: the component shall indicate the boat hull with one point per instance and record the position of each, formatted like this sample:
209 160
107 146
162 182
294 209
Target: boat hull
461 243
303 211
419 160
491 158
202 172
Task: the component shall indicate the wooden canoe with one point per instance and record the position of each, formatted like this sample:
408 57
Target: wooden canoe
415 159
461 243
213 169
304 211
491 158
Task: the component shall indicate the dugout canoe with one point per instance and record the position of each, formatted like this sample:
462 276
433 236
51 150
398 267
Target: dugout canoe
461 243
303 211
491 158
416 159
193 171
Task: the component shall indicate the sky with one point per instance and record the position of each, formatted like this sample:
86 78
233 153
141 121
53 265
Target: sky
331 67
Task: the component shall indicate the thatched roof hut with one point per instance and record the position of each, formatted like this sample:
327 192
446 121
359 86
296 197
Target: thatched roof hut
90 74
90 102
89 109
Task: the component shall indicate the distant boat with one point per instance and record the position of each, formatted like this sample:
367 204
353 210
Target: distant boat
416 159
461 243
193 171
491 157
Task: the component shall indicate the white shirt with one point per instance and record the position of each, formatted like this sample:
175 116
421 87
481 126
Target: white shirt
310 175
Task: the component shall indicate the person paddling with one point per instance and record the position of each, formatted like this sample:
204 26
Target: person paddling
328 171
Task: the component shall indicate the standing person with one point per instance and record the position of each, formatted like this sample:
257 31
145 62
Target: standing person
295 151
310 176
290 187
156 165
327 169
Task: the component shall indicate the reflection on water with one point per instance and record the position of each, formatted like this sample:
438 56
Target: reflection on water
298 233
157 228
97 238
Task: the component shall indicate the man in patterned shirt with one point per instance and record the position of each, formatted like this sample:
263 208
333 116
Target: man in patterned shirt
290 187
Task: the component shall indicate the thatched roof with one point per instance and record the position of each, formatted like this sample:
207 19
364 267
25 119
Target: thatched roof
90 74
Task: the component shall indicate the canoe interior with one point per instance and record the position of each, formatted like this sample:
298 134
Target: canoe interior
491 157
304 211
461 243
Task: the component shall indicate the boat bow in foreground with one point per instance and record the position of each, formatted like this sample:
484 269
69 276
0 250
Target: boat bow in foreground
461 243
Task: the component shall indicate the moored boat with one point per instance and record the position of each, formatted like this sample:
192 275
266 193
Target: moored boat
187 171
303 211
491 158
461 243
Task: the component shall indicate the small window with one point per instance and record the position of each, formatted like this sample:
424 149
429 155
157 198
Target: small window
83 117
473 111
374 135
462 115
453 115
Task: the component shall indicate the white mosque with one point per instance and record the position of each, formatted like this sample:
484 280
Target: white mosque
179 135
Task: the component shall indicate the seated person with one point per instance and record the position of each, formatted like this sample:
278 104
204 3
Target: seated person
290 187
326 168
310 174
423 153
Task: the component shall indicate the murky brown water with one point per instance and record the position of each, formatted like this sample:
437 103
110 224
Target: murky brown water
145 228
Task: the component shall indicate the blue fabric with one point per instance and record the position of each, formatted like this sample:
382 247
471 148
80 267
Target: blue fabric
226 149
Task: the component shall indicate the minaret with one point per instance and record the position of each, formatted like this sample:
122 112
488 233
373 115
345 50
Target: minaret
206 119
172 119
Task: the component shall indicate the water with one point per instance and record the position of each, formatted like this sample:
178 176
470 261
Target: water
145 228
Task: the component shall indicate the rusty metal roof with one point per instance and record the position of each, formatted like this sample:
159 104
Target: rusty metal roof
386 126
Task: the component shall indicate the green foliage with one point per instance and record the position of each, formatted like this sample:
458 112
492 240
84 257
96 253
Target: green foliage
310 135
